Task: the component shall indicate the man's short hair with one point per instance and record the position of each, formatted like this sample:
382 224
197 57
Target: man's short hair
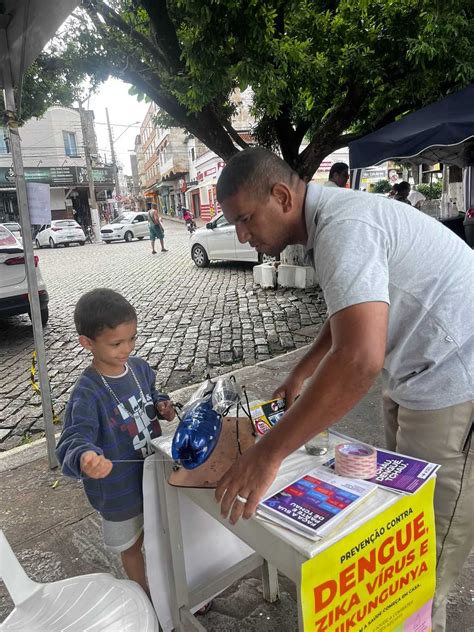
403 188
338 167
257 169
100 309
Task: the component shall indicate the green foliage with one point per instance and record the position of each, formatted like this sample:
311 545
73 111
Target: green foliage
382 186
328 71
431 191
47 82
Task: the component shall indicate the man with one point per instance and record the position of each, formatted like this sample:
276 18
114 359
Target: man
402 191
156 229
399 302
338 175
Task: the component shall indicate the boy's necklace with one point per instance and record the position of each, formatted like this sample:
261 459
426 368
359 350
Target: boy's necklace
110 389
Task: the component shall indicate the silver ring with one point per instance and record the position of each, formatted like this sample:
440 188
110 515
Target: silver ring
241 499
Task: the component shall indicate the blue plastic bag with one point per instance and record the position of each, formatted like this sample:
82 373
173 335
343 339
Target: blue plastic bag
197 435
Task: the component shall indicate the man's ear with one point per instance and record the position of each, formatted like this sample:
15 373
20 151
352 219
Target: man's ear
85 342
284 195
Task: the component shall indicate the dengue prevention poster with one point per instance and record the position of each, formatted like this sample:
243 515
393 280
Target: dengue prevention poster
380 578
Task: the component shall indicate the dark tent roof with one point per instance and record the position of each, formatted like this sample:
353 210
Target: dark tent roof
440 132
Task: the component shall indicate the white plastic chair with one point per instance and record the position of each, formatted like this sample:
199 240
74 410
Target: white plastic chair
88 603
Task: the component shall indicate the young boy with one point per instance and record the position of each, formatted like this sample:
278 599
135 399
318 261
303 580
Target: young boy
110 418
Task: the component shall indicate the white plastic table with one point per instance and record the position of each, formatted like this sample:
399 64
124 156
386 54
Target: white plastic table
193 554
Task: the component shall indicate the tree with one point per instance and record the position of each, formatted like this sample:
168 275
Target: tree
322 72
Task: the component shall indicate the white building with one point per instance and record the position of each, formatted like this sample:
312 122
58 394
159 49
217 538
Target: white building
53 153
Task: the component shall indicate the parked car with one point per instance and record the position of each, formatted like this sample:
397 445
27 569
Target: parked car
127 226
218 240
15 228
13 283
60 231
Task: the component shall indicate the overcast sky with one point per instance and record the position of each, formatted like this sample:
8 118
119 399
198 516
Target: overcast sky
123 110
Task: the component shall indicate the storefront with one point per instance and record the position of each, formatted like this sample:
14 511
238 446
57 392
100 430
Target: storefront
69 188
203 196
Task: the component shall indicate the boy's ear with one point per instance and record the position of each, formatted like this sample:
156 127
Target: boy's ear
85 342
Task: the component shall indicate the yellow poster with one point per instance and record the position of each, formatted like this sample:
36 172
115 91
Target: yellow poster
381 578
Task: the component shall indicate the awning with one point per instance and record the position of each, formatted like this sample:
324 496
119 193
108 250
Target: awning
440 132
30 24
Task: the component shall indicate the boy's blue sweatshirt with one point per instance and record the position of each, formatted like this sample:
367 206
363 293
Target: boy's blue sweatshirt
95 421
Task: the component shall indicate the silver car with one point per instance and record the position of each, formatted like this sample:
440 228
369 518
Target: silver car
13 283
127 226
218 240
60 231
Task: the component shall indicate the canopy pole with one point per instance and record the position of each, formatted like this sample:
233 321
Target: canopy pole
445 210
25 223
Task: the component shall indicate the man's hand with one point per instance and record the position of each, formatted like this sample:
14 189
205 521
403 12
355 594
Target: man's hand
249 477
291 388
166 410
95 465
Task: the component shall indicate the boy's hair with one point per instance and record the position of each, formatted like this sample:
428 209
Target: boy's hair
100 309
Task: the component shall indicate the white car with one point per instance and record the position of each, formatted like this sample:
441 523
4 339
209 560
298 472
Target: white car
127 226
13 283
60 231
218 240
15 228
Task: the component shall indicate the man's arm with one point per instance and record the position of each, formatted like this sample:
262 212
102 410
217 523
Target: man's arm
293 384
342 378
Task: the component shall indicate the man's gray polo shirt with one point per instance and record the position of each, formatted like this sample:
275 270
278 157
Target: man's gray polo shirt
364 248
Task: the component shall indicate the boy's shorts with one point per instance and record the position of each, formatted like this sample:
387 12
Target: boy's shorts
120 536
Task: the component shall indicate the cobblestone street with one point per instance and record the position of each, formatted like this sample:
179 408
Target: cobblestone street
191 321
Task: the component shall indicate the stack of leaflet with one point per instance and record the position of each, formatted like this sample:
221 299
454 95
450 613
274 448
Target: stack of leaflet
315 503
399 473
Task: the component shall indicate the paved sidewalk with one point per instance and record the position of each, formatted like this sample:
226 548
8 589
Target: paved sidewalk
55 534
190 321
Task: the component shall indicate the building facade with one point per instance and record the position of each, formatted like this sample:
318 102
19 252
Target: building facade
53 151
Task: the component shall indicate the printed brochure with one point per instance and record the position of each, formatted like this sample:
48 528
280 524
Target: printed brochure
316 502
398 472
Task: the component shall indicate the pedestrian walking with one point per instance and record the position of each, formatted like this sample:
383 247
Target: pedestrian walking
156 229
400 304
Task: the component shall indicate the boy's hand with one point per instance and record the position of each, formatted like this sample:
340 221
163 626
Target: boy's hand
166 410
95 465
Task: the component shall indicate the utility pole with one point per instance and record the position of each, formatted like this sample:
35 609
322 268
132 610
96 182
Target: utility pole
90 176
25 222
118 192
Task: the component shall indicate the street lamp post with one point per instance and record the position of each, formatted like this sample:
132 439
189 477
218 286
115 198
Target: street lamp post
118 190
94 212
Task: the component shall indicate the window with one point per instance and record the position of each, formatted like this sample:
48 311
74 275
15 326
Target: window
221 222
192 154
70 146
4 144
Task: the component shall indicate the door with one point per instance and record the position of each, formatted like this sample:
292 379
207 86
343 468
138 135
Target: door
43 235
221 240
141 227
196 205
